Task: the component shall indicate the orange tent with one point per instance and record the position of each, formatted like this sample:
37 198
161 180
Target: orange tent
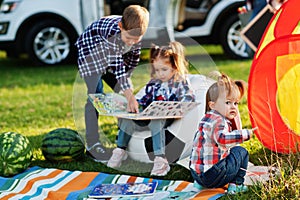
274 82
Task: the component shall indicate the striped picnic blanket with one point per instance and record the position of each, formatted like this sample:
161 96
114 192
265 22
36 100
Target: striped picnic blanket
55 184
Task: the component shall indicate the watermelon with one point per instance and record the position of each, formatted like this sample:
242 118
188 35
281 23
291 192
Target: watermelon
63 145
15 153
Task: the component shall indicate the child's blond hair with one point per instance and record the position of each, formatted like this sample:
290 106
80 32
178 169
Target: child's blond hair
135 20
233 88
175 53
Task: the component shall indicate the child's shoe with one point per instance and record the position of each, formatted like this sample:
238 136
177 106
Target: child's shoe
98 153
233 188
117 157
161 167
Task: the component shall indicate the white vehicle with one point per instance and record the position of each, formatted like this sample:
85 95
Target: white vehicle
46 30
216 22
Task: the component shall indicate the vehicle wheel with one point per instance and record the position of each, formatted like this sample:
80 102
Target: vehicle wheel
50 43
233 45
11 53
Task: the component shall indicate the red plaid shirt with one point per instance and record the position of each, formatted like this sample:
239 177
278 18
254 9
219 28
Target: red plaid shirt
213 141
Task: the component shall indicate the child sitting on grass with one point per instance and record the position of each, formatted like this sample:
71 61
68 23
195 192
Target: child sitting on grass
216 158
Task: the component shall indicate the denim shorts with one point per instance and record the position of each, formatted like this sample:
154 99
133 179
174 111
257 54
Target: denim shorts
228 170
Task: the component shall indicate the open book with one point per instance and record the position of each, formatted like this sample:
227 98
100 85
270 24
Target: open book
113 104
123 190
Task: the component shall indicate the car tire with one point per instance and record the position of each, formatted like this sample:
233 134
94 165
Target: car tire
232 43
50 43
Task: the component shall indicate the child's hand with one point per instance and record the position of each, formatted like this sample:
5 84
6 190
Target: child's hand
252 131
132 105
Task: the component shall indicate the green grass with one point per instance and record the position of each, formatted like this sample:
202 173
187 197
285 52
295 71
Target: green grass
35 100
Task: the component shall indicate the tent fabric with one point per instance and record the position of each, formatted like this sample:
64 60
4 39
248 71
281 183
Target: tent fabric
274 82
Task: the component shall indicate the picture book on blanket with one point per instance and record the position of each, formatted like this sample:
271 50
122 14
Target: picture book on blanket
123 190
113 104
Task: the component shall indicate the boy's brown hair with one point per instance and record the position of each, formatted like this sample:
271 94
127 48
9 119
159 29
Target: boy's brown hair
135 20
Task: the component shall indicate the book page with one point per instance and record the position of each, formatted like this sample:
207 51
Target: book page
109 104
115 105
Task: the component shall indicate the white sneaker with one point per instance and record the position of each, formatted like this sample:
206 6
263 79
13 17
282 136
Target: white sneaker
161 167
117 157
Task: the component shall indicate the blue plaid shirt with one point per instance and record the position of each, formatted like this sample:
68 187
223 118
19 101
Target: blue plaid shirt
213 141
169 91
101 49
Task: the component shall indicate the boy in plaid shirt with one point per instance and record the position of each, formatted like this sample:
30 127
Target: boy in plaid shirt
109 49
216 158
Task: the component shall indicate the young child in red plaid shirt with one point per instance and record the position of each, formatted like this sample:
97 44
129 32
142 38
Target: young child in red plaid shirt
216 158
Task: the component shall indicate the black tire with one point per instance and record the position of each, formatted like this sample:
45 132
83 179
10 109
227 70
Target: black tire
50 43
11 53
232 43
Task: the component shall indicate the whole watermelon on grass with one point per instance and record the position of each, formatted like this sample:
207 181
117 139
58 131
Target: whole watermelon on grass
62 145
15 153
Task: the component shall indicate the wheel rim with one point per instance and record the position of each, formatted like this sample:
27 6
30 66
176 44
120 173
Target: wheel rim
235 42
51 45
